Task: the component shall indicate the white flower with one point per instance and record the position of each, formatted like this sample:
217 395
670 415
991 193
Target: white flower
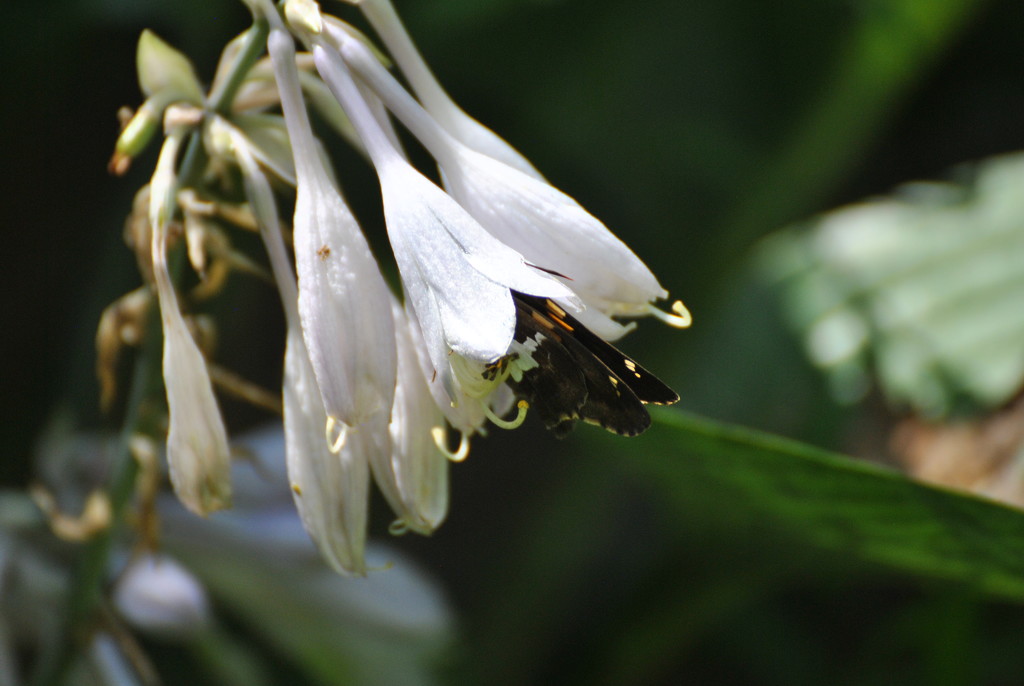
545 225
344 303
330 488
417 472
465 413
550 228
456 275
197 445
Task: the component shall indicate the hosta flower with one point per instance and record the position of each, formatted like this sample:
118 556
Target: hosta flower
466 414
456 275
417 466
511 289
344 304
543 223
525 212
330 487
197 445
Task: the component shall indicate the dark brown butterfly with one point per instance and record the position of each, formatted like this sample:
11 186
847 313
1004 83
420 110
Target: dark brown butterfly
580 375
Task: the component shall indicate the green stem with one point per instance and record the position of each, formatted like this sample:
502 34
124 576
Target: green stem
86 588
220 100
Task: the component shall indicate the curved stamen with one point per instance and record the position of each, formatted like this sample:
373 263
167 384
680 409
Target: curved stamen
440 437
523 406
402 526
335 436
680 319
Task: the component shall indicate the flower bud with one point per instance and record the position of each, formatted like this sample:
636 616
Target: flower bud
134 137
165 72
197 445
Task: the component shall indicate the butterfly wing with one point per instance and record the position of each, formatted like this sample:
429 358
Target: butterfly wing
579 375
647 387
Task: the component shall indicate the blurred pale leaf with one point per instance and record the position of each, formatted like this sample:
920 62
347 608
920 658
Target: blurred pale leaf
389 628
923 290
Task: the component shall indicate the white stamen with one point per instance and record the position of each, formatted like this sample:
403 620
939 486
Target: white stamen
336 436
681 319
523 406
440 437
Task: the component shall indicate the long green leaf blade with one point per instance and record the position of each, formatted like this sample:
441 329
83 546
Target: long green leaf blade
738 476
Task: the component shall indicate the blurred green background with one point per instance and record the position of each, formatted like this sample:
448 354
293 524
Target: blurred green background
692 129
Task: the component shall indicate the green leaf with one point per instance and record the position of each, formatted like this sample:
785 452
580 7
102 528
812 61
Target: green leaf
742 477
695 521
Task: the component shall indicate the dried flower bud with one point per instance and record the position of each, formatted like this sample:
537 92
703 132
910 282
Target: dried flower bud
121 323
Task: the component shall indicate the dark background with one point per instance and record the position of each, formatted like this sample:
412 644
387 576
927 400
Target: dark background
691 129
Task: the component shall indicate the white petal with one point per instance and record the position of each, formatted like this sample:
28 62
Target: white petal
461 413
475 314
197 444
409 193
600 323
419 469
423 311
331 491
454 270
375 443
551 230
344 302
